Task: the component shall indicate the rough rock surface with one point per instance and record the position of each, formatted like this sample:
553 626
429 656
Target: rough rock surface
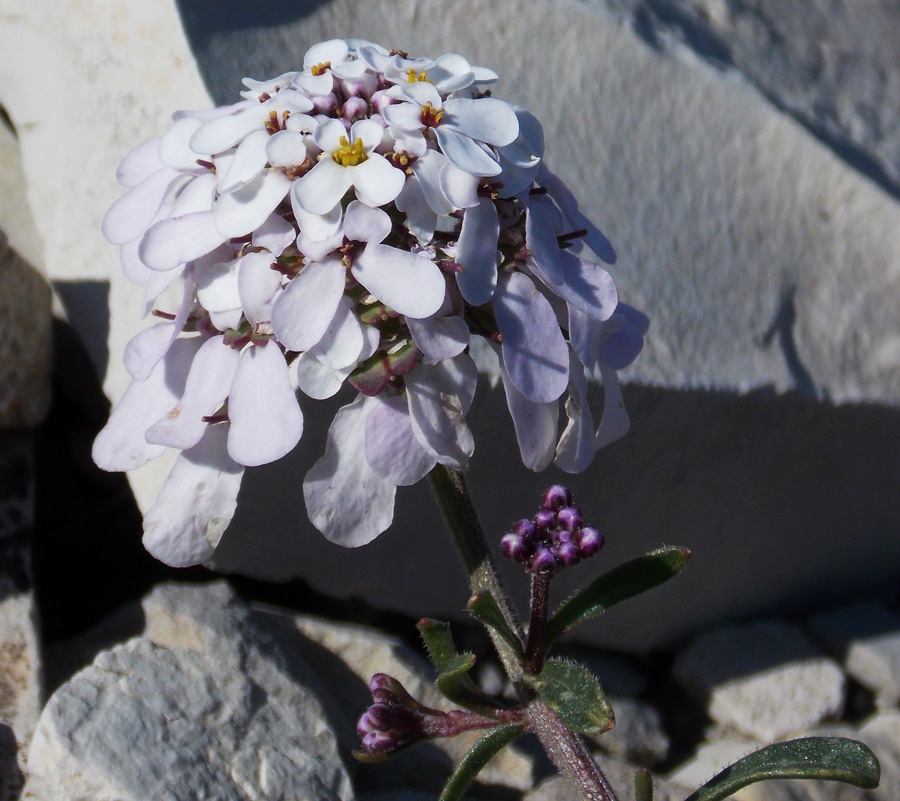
638 736
865 638
20 662
766 679
620 776
214 707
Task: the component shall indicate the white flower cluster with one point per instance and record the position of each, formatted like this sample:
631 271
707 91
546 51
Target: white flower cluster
369 220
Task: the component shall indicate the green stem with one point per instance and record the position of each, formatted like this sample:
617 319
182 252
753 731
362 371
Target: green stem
566 749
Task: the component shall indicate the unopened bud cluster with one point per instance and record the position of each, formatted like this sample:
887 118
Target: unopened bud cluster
554 538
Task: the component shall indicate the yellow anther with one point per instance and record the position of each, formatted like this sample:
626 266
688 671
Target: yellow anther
431 116
320 69
413 77
348 155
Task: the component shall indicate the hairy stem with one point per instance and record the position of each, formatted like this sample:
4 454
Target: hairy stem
536 648
567 750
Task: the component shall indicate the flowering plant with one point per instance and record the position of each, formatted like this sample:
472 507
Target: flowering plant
383 222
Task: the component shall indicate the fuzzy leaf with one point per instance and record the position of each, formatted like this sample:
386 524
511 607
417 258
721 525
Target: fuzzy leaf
483 606
619 584
575 695
477 757
830 758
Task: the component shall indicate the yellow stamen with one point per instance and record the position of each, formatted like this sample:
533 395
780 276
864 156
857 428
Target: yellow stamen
431 116
412 77
348 155
319 69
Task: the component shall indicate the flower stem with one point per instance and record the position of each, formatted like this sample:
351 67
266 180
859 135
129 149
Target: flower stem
566 749
536 647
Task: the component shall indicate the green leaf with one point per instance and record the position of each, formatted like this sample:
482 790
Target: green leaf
477 757
620 584
575 695
483 606
452 682
832 758
643 785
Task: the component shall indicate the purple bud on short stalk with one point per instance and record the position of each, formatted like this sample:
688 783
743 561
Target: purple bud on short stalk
568 554
561 535
555 497
545 520
544 561
526 529
589 541
569 518
513 546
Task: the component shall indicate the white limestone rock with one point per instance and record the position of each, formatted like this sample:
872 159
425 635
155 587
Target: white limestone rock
865 638
766 679
620 776
710 758
638 736
203 706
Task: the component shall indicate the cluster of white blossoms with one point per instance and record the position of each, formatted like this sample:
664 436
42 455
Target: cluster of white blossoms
371 220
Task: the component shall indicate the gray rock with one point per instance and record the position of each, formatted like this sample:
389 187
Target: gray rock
204 706
620 776
638 736
766 679
865 637
21 686
709 759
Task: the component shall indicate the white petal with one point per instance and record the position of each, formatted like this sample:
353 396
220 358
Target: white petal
249 160
258 285
121 445
322 188
176 240
369 132
535 354
614 422
133 213
174 148
465 153
217 287
266 421
275 234
420 219
440 337
406 116
477 253
585 334
362 223
485 119
459 187
376 180
584 284
535 425
197 194
206 388
239 212
342 342
410 284
437 417
391 447
317 227
142 354
462 373
306 307
541 228
139 163
328 135
334 51
196 503
286 149
318 380
428 170
345 498
221 133
575 450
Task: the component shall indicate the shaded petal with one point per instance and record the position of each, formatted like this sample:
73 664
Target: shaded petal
428 170
266 421
205 390
477 253
462 373
362 223
535 425
196 503
120 445
304 310
584 284
241 211
459 187
535 354
275 234
348 501
317 227
485 119
322 188
376 180
174 147
144 350
391 447
420 218
317 380
342 342
133 213
614 422
440 337
217 287
176 240
465 153
258 284
575 450
249 160
541 226
221 133
286 149
437 417
139 163
585 335
411 284
197 194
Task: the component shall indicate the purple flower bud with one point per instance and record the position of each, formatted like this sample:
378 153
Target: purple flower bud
379 742
545 519
589 541
544 561
569 518
556 497
513 546
561 535
526 529
568 554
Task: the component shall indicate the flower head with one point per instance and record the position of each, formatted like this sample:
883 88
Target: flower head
369 220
